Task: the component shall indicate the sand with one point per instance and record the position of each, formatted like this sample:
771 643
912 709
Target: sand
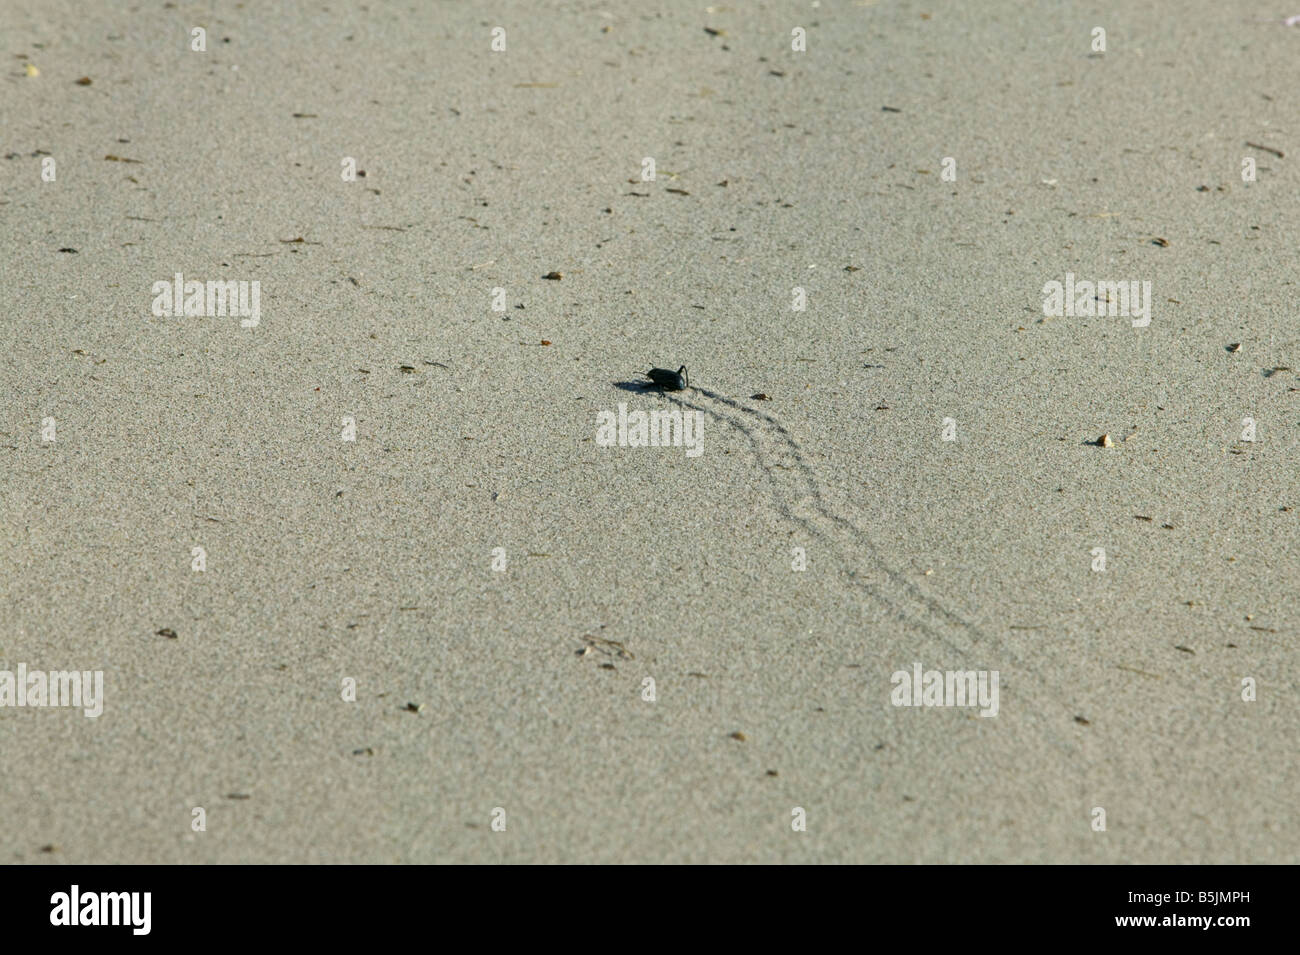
517 696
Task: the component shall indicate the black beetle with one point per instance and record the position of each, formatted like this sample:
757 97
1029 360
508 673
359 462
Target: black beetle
669 380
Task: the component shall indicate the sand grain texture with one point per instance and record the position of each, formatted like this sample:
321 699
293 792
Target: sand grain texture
371 559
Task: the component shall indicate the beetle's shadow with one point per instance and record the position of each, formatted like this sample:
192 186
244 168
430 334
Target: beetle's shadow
674 396
639 387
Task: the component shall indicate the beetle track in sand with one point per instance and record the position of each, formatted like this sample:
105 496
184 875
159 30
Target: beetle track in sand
797 496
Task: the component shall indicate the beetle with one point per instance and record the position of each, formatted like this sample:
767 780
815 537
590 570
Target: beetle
669 380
